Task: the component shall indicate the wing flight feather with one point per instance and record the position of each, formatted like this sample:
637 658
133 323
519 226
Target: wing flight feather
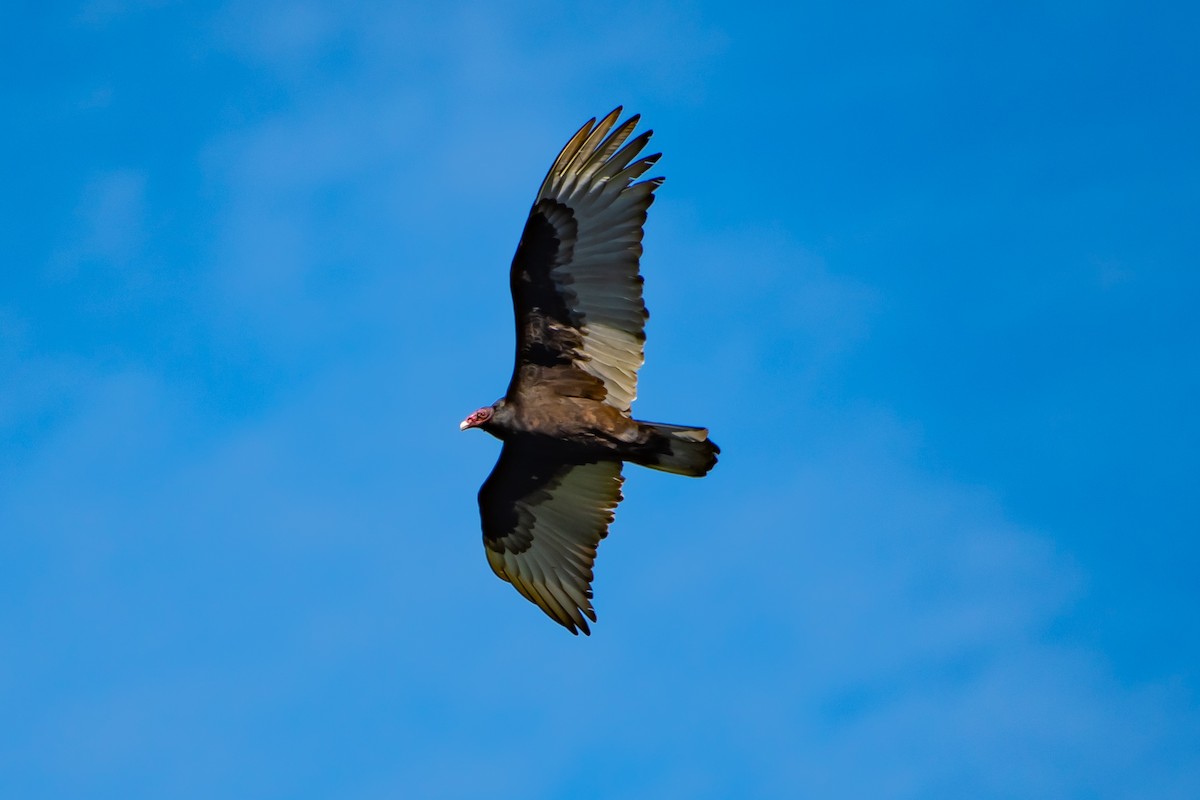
577 291
543 519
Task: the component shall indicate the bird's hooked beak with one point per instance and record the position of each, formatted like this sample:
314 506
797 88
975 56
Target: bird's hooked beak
466 423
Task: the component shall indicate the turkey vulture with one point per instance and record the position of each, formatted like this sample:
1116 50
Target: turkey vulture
565 421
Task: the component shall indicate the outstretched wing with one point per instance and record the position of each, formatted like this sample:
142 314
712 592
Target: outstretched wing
543 517
577 294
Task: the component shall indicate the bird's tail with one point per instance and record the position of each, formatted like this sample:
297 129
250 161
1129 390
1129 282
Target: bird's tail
679 449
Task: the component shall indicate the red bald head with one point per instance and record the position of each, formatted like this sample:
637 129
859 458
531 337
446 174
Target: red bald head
477 418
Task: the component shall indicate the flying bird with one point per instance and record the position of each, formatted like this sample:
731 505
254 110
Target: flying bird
565 419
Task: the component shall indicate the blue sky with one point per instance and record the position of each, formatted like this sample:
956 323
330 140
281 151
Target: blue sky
926 270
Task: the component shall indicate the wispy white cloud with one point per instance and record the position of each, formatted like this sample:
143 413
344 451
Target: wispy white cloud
426 133
109 225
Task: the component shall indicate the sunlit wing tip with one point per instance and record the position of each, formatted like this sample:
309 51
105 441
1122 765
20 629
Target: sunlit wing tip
564 619
575 626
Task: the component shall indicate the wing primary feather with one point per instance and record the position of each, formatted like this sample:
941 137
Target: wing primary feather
637 169
603 154
574 144
589 145
583 163
565 602
621 160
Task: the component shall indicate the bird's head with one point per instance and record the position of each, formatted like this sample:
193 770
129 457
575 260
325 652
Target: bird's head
477 418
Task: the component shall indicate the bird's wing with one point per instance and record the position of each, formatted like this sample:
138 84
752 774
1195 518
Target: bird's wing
577 294
543 517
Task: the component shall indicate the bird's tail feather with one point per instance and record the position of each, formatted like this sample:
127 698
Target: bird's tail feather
680 449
